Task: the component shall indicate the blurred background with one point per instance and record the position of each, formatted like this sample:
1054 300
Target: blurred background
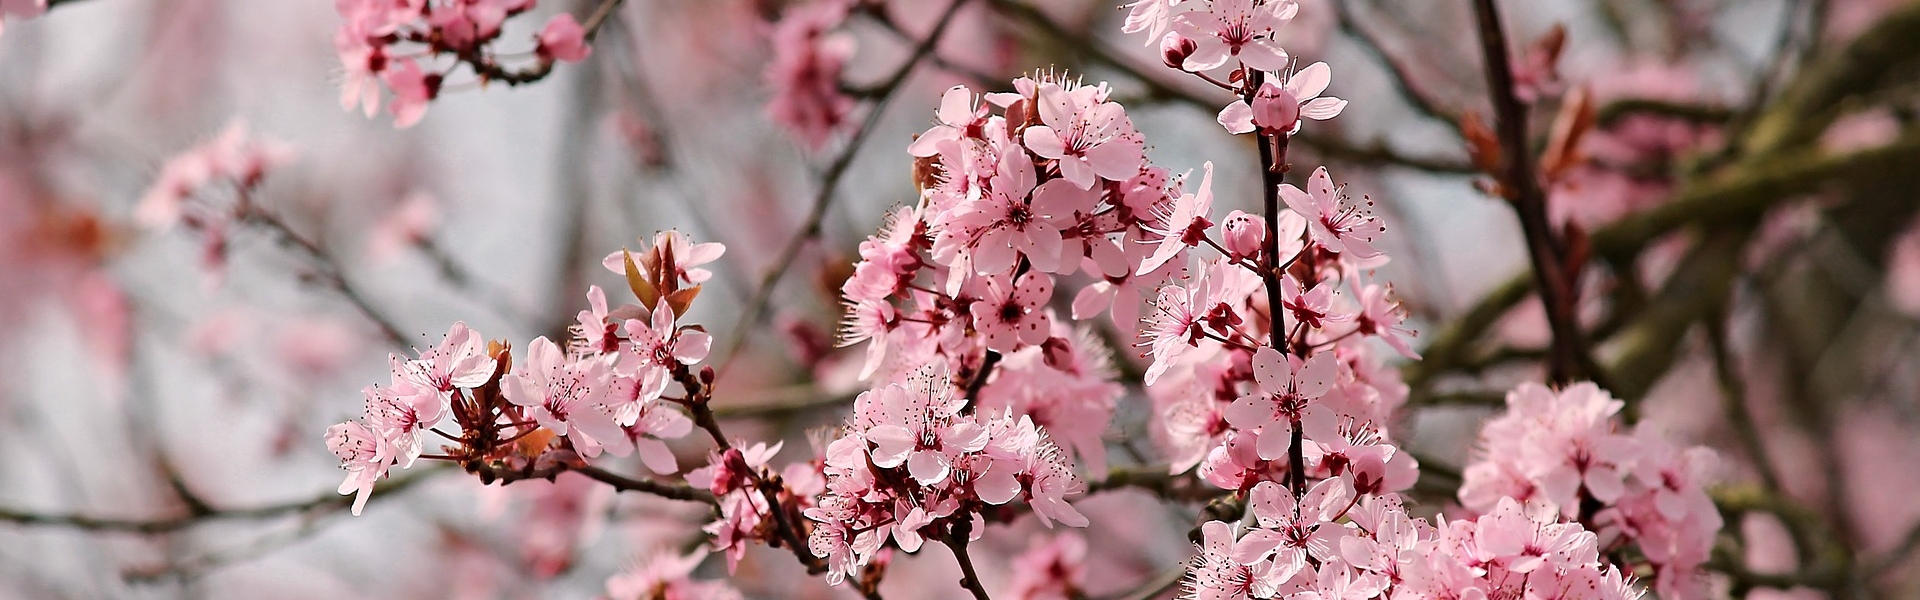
1741 174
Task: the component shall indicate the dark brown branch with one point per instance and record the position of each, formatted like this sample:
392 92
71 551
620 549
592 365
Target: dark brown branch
829 182
956 539
1551 273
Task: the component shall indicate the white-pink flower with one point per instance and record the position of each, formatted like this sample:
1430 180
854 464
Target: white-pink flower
923 433
364 454
562 393
1091 139
658 345
1013 315
1338 226
1288 388
1235 29
1184 225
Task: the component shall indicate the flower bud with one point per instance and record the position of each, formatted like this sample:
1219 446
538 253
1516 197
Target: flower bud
1245 235
1275 109
1175 48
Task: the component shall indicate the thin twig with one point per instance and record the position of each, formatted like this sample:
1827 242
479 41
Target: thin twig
327 502
328 270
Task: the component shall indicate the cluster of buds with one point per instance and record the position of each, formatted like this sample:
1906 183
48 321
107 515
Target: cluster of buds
189 190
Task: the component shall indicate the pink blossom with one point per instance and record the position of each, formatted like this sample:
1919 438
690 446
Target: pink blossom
1091 138
402 416
960 118
563 39
1052 568
1380 316
562 393
805 72
460 361
1276 110
1183 226
412 90
1244 235
670 246
1011 317
365 456
1236 29
926 436
1288 387
657 346
1338 226
1004 222
668 576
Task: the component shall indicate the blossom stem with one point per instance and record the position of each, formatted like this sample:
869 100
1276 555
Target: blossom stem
957 541
1520 185
1273 173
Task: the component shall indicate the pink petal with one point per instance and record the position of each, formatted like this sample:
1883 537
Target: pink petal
1044 141
1310 81
1321 109
1237 118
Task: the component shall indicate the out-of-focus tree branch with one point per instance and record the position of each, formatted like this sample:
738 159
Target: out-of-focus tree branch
321 504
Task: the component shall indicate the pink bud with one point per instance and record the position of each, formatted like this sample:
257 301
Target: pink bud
563 39
1245 234
1174 49
1275 109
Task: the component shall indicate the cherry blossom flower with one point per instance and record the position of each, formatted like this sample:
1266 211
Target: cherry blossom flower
805 72
668 576
563 394
1183 226
563 39
1092 139
1236 29
960 118
1288 388
1339 227
1277 109
657 346
412 90
1011 317
1151 16
402 416
926 437
670 247
1004 221
1052 568
1381 317
460 361
365 456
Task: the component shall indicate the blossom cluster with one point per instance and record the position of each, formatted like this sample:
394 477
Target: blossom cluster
1565 452
385 43
915 463
804 76
1331 544
604 391
209 187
